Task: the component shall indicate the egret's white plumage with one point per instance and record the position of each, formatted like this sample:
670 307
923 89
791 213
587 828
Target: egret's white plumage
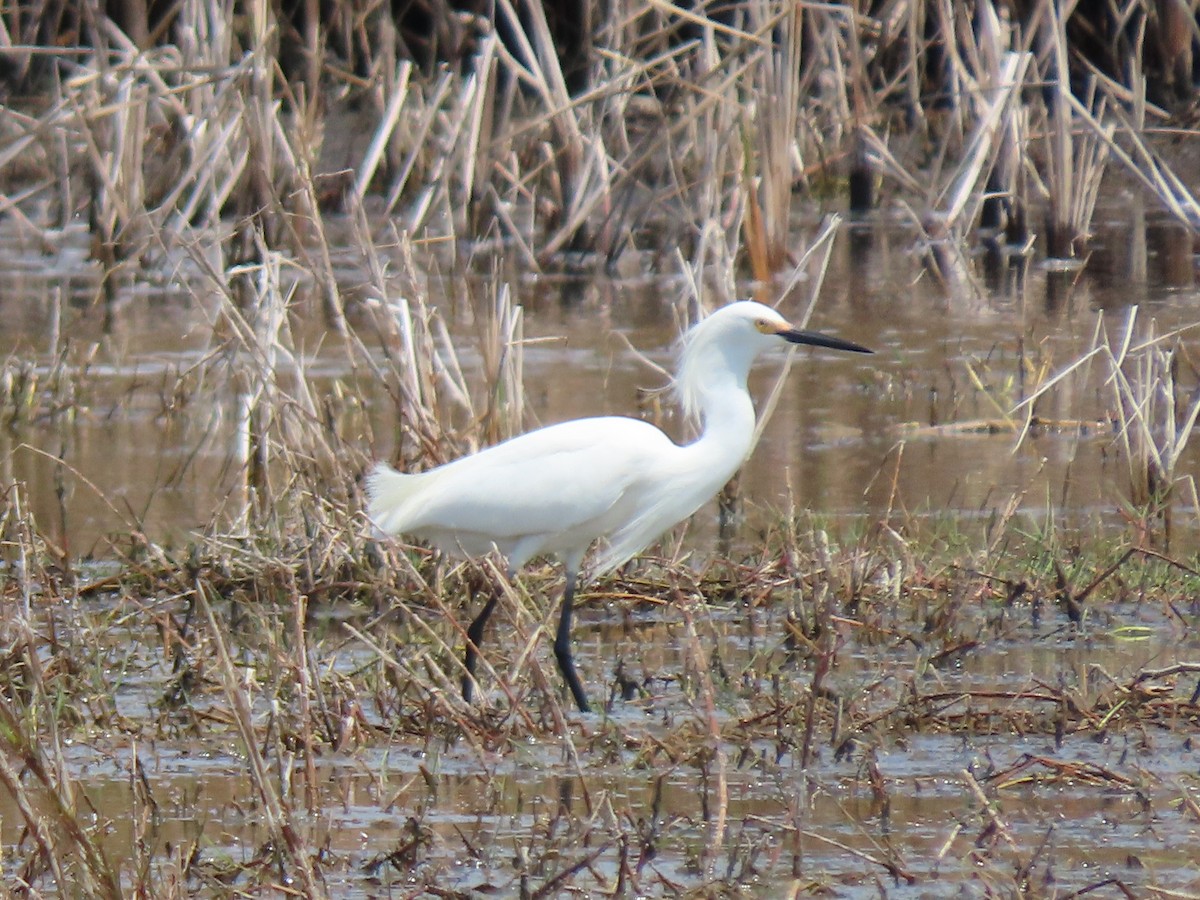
559 489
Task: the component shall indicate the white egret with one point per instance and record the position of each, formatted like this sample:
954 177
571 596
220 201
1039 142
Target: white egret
557 490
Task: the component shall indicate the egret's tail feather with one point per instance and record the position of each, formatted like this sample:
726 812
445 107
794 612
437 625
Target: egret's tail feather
389 493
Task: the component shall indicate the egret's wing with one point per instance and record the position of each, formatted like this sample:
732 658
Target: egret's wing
661 505
548 481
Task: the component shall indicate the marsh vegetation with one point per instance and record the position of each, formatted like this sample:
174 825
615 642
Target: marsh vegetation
941 632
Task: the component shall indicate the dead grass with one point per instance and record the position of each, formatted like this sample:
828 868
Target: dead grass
751 703
691 125
801 666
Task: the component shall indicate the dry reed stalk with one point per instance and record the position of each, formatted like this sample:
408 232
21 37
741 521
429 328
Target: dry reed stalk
35 823
437 187
988 75
1075 168
478 151
396 90
428 382
284 832
579 165
1143 163
864 102
306 223
51 804
833 118
974 90
960 200
716 822
438 415
308 688
504 365
1155 422
115 131
650 147
1060 158
158 132
595 185
159 151
913 17
257 321
1155 415
816 258
772 111
1003 203
288 448
709 174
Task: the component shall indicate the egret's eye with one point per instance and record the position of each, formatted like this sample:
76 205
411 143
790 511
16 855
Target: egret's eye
765 326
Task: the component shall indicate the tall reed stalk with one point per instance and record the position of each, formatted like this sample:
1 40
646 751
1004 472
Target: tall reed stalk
773 114
1154 416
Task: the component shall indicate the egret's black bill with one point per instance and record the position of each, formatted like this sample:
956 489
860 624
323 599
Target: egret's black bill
816 339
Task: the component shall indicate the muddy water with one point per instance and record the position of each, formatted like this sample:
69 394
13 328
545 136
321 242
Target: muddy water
482 820
902 434
477 809
852 439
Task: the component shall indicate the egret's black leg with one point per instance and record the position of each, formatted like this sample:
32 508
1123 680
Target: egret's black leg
562 647
475 640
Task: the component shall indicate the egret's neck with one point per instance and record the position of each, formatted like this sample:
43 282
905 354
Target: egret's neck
728 421
711 384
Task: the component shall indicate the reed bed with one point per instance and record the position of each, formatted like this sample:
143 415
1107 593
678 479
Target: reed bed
663 121
233 647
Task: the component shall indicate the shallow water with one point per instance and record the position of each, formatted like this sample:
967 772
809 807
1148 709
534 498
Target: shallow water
852 439
899 435
477 809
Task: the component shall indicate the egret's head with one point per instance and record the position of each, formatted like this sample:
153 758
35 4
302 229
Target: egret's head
726 344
